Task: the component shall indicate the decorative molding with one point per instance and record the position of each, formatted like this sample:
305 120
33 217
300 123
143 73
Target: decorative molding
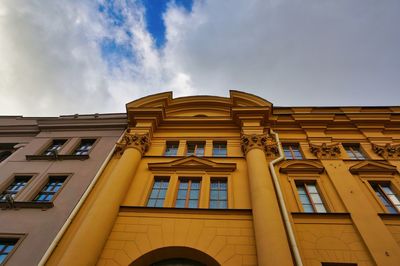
261 141
325 151
388 151
193 163
55 157
141 142
301 166
373 167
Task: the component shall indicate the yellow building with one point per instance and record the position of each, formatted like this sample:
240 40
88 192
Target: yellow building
207 180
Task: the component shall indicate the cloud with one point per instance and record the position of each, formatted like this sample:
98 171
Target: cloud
85 56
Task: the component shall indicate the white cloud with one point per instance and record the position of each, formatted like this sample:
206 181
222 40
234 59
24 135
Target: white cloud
290 52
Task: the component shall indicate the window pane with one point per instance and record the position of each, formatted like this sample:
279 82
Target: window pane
194 194
180 203
214 194
151 203
182 194
311 188
320 208
195 185
159 203
183 185
304 199
193 204
213 204
223 204
315 198
308 208
222 195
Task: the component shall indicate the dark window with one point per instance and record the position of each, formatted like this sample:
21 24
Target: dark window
387 196
6 149
172 148
218 194
195 148
309 197
6 246
50 189
84 147
158 192
16 186
54 147
354 151
188 193
292 151
219 149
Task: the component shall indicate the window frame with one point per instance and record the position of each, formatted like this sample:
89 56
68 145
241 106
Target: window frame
166 147
212 178
195 149
46 181
290 145
18 237
50 143
11 180
95 141
359 148
384 180
151 187
220 142
190 179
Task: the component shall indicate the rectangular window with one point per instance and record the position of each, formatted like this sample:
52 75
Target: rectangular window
172 148
84 147
188 193
292 151
54 147
6 246
309 197
195 148
387 196
218 194
50 189
219 149
158 193
354 151
16 186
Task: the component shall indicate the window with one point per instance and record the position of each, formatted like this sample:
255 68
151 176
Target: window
6 149
292 151
50 189
158 192
218 194
219 149
16 186
172 148
188 193
84 147
6 246
54 147
387 196
309 197
354 151
195 148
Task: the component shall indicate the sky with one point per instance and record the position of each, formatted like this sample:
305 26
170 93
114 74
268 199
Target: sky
94 56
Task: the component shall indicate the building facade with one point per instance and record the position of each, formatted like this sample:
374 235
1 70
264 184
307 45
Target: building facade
207 180
46 165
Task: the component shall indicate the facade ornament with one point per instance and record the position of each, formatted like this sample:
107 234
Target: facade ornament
325 151
262 141
140 142
388 151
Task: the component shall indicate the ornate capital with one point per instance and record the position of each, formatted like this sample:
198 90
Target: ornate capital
326 151
136 141
262 141
387 151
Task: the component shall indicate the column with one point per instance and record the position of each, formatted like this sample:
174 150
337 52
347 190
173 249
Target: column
271 241
88 242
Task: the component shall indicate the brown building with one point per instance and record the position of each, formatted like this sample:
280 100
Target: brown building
46 165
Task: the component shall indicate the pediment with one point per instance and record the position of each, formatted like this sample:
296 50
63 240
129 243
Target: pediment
193 163
373 167
302 166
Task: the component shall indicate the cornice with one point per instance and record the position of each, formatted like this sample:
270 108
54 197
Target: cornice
373 167
301 166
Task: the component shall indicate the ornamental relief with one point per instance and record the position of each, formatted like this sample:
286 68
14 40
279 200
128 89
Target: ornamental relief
140 142
262 141
325 151
388 151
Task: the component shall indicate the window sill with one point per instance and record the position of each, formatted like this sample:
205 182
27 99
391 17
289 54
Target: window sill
26 205
56 157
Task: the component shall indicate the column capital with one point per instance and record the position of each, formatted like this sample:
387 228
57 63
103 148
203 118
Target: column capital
259 141
141 142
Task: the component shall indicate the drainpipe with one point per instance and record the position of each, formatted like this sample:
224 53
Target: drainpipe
282 205
75 211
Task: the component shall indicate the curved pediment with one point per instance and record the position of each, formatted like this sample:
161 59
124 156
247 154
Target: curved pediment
302 166
193 163
373 167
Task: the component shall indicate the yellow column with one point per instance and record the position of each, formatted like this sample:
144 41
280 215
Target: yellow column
88 242
271 241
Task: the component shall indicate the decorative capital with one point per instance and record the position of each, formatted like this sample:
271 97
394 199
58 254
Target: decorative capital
262 141
387 151
326 151
136 141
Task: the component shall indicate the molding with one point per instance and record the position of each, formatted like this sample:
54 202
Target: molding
325 151
26 205
261 141
387 151
193 163
301 166
56 157
373 167
141 142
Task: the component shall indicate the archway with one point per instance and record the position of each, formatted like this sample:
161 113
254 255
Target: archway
173 256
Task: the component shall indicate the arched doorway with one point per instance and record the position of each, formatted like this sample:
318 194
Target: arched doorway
175 256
